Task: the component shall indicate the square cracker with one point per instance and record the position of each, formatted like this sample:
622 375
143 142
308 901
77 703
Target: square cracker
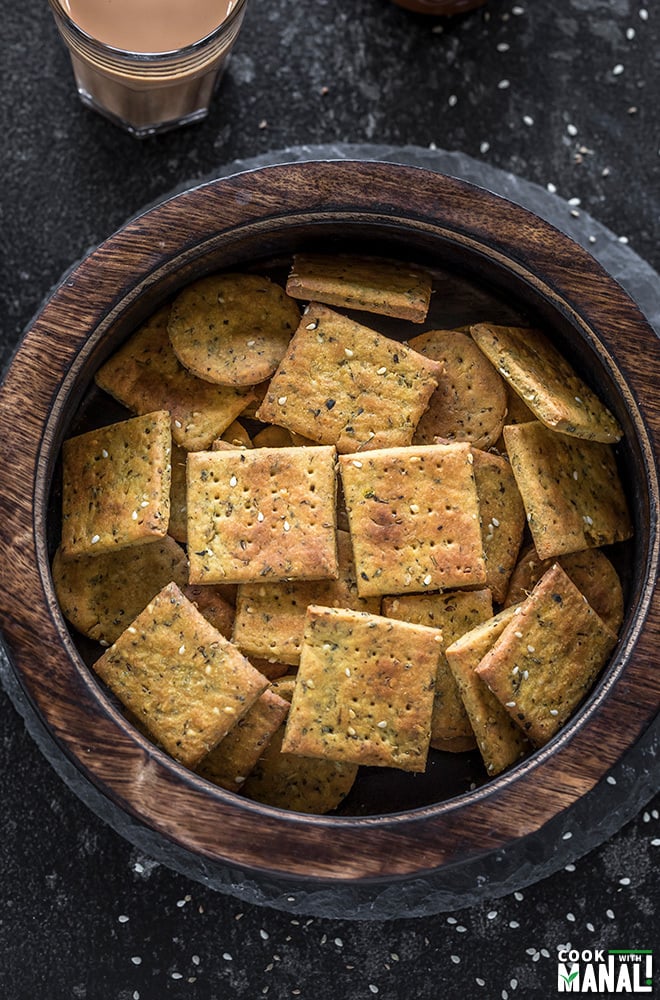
263 515
454 612
184 681
270 617
377 285
232 760
344 384
499 739
550 387
547 657
145 374
571 489
116 485
414 518
364 690
502 516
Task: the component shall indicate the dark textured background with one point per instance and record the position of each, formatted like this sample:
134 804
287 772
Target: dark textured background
562 94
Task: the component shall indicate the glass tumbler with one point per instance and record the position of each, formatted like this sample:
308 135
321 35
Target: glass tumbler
149 92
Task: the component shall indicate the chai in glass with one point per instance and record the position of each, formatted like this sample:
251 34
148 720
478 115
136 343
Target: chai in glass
148 65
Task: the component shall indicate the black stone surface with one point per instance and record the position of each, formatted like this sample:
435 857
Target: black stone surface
557 94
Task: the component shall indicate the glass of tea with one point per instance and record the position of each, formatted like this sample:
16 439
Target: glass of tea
148 65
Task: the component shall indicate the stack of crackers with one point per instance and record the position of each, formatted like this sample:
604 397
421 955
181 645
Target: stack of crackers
315 547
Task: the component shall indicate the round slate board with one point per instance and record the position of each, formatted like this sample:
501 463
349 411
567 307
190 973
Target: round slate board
595 817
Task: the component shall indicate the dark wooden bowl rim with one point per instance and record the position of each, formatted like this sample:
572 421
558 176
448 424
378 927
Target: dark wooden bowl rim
36 401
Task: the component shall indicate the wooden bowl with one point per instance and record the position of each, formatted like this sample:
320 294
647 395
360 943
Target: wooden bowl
493 260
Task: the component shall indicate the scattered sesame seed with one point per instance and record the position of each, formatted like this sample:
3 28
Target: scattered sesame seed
282 400
339 942
95 539
381 371
624 881
551 187
347 671
358 465
260 516
122 918
630 34
348 352
177 424
227 957
136 960
611 780
452 100
503 85
455 959
567 835
427 579
587 519
518 635
233 481
571 129
495 522
452 920
382 724
609 914
264 935
351 731
644 14
251 343
414 509
503 47
177 975
287 526
510 704
484 147
311 326
373 988
491 915
571 917
519 896
617 70
480 982
460 929
530 648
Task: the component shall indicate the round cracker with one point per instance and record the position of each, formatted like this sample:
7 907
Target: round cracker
232 329
591 572
101 595
470 401
302 784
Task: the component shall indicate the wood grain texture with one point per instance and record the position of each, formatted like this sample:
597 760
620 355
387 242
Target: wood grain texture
261 215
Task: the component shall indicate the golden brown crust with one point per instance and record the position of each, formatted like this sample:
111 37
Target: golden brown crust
571 489
547 657
549 386
183 680
264 515
116 486
388 287
414 519
344 384
364 690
